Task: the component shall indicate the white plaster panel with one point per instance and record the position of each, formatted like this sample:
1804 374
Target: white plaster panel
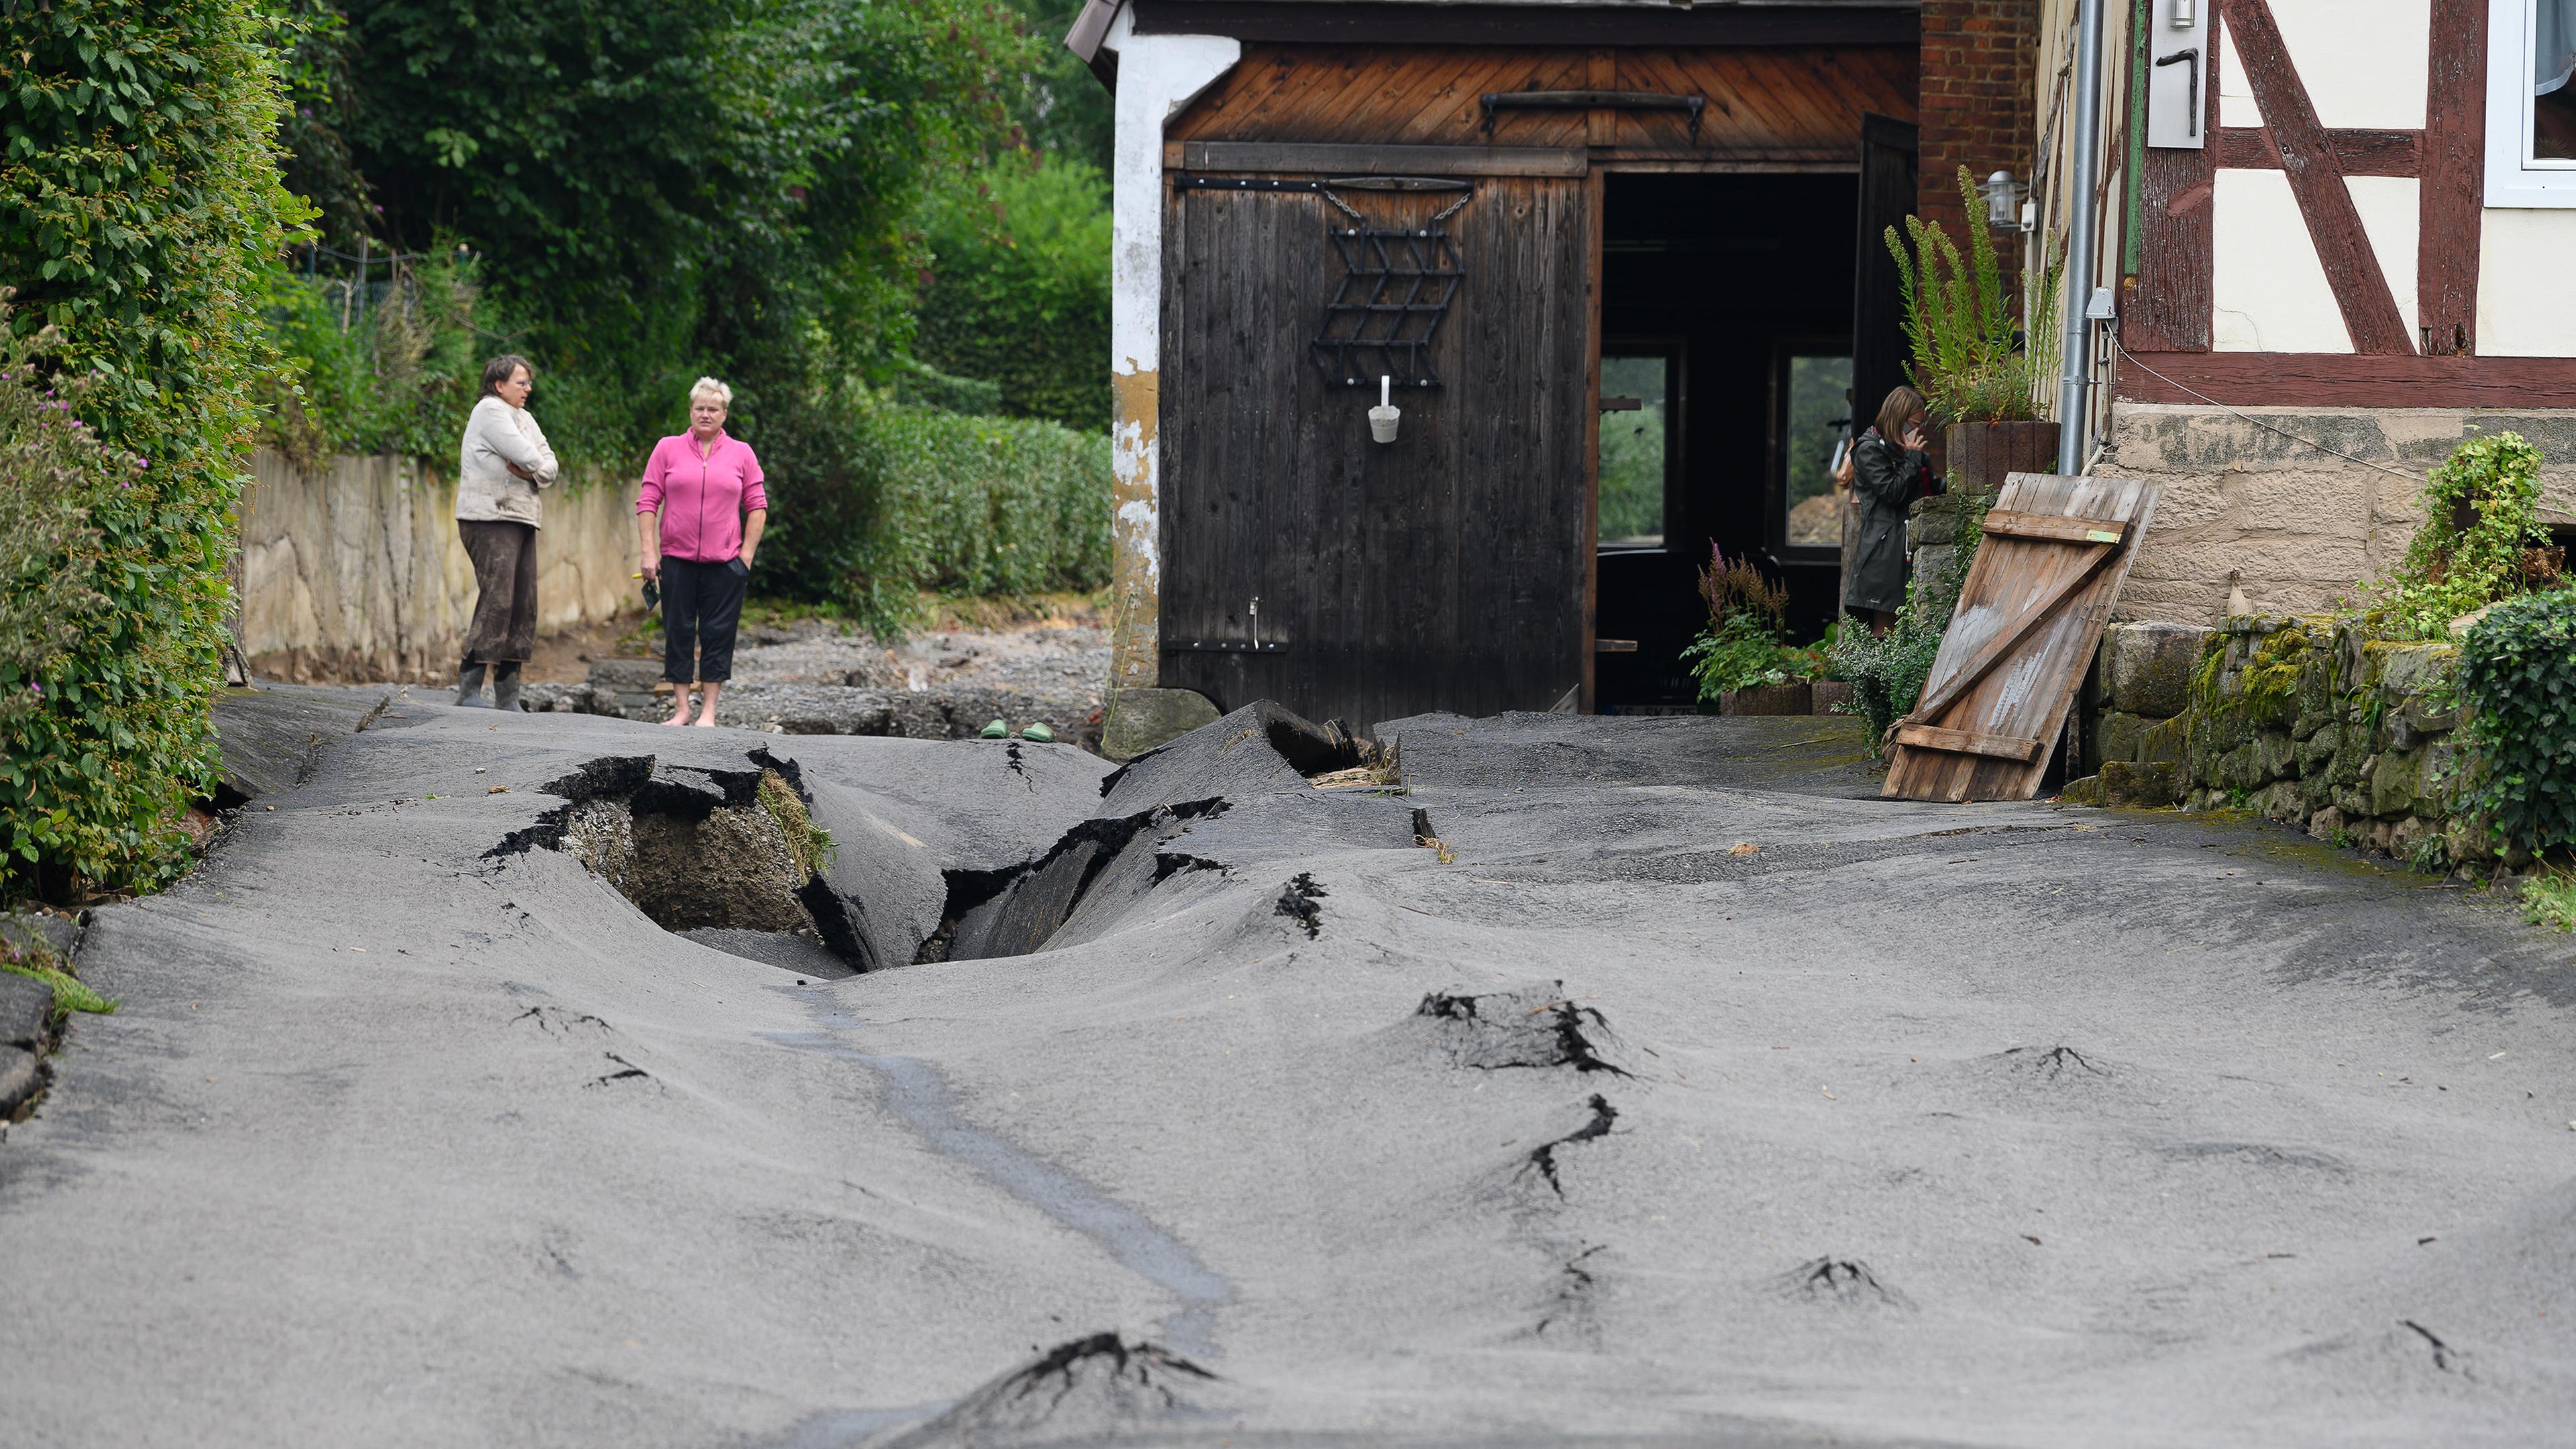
2392 217
2269 289
2235 98
2527 284
2364 61
1157 76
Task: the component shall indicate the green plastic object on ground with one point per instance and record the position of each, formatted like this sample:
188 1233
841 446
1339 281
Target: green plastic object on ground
1040 733
998 729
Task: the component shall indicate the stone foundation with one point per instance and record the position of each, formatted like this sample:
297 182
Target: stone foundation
2297 527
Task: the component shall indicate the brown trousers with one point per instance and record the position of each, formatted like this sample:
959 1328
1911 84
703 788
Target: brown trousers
505 578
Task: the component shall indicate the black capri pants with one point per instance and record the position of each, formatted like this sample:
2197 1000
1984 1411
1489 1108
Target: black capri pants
701 605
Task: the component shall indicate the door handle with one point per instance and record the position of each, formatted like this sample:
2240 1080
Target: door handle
2192 55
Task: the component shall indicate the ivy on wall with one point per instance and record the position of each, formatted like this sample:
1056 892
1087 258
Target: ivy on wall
139 198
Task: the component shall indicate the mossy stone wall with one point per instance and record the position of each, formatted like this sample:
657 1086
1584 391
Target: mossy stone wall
2305 721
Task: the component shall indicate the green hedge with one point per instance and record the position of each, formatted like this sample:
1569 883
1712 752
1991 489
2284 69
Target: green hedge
139 199
874 501
2517 688
1019 287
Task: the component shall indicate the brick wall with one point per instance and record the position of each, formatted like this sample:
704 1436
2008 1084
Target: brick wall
1978 97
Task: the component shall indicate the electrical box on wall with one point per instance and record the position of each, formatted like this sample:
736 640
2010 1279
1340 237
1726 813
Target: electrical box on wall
2180 80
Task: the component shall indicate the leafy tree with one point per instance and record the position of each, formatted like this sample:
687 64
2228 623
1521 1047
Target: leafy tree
139 199
311 38
1067 110
1018 288
661 190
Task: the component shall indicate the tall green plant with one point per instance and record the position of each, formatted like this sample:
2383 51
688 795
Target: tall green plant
139 199
2516 684
1019 286
2475 547
1968 358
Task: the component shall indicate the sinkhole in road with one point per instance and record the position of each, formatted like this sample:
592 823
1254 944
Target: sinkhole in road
727 858
733 860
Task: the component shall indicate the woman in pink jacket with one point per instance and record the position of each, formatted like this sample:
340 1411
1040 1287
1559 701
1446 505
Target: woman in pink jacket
700 513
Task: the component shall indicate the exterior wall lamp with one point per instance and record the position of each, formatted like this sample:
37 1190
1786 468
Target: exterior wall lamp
2004 209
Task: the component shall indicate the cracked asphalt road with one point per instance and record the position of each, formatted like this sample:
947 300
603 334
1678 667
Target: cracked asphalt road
1980 1125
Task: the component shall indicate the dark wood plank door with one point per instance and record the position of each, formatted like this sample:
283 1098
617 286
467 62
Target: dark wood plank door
1888 185
1444 571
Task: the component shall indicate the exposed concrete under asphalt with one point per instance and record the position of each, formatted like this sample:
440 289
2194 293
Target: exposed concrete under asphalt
1988 1124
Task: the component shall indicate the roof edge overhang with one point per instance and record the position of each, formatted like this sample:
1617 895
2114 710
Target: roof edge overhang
1502 22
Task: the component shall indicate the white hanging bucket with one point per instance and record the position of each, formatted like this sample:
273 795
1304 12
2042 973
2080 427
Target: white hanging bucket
1383 417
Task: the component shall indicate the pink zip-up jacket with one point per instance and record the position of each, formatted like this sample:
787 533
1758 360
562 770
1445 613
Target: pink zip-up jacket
702 499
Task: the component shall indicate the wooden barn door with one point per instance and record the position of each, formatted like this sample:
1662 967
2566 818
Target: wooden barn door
1348 579
1888 186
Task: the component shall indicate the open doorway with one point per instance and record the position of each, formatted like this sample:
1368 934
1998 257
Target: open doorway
1726 325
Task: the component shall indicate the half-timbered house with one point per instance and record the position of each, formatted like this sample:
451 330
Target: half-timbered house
2338 236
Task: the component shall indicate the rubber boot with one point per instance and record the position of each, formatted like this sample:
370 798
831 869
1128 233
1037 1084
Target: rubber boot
469 684
505 686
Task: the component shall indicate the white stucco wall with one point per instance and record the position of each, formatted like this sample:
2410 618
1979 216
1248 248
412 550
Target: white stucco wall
1157 76
2269 290
2527 284
2364 61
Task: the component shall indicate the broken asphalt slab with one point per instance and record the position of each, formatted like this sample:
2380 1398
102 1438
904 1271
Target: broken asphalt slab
1780 1113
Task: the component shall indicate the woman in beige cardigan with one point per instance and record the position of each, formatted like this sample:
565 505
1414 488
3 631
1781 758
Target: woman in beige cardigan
504 462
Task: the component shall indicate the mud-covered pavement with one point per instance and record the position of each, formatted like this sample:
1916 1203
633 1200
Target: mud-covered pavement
1699 1097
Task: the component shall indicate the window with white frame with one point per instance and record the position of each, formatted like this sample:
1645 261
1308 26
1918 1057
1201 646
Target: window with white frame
2531 103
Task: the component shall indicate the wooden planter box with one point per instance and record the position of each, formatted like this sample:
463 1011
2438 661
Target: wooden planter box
1980 454
1769 699
1829 692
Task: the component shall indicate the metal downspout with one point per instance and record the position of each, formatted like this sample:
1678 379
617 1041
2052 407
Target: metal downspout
2083 242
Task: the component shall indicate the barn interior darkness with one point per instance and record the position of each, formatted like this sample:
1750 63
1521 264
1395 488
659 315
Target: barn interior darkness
1730 295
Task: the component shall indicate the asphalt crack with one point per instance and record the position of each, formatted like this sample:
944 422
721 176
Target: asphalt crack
1543 1157
2446 1358
627 1070
1297 902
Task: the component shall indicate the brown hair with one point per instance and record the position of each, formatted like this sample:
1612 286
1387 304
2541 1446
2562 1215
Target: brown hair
1902 404
498 370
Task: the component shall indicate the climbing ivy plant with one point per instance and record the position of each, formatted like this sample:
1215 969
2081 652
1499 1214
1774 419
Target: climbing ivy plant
2516 684
2481 542
139 196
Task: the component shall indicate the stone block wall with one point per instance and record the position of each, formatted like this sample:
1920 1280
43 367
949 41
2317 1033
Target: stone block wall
2296 528
2141 678
2303 721
354 572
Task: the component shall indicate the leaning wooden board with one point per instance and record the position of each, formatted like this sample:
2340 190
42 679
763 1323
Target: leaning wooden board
2029 617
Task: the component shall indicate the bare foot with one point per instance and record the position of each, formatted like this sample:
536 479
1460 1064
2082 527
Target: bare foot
681 716
706 721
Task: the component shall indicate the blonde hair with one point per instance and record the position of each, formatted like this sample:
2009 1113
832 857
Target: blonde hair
709 387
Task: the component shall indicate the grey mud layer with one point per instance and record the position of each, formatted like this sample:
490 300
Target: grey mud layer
517 1081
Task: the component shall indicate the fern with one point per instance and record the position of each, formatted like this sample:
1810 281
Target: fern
1968 359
